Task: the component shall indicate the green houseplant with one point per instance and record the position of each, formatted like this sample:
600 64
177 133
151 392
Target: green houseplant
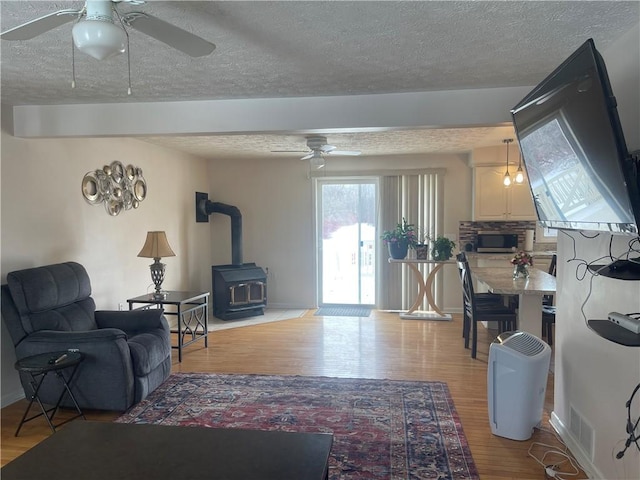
442 248
400 239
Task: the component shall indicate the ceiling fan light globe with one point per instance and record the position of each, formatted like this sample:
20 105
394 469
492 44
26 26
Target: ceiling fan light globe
99 39
317 161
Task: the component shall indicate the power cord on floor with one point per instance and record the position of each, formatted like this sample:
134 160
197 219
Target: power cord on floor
551 467
555 457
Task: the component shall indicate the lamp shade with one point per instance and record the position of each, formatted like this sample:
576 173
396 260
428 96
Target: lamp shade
100 39
156 246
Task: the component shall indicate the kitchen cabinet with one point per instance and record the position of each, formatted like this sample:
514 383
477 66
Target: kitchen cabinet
493 201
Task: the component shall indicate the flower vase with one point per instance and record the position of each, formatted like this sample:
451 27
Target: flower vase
521 271
398 250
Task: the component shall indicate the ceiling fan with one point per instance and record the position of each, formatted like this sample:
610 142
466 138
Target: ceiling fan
98 34
319 147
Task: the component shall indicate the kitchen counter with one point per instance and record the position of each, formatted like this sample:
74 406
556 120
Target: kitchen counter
530 292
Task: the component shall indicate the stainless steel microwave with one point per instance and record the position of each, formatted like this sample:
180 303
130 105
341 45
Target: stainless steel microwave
495 242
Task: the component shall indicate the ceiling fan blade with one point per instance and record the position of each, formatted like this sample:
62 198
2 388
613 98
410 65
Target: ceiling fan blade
173 36
289 151
327 148
308 156
38 26
350 153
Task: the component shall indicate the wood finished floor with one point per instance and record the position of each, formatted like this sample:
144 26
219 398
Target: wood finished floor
379 346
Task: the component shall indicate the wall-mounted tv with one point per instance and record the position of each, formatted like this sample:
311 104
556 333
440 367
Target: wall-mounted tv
581 175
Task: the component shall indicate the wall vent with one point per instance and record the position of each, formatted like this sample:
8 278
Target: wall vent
582 431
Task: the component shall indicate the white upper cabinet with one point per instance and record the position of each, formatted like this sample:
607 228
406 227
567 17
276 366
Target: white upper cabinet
494 201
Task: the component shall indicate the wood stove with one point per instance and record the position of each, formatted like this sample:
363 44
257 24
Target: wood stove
239 289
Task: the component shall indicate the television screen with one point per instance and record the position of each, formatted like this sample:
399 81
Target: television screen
573 149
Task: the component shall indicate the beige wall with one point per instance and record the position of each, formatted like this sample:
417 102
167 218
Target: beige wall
45 219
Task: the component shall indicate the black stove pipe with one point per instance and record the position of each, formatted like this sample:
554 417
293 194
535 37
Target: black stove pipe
236 227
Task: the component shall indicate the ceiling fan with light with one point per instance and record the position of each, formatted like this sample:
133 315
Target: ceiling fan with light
319 147
100 30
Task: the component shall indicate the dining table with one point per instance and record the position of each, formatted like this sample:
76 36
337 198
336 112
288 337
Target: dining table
530 291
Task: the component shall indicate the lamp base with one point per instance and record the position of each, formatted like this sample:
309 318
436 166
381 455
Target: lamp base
159 295
157 276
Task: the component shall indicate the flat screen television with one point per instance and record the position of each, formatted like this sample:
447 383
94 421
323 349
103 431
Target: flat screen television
581 175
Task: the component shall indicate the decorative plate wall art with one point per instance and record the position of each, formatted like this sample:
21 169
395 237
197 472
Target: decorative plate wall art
116 186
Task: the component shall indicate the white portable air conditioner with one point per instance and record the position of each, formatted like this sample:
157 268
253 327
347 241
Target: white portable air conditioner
516 384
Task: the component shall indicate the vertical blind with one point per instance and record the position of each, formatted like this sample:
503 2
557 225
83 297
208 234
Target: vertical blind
418 197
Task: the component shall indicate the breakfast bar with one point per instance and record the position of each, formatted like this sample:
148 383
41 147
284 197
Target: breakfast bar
530 290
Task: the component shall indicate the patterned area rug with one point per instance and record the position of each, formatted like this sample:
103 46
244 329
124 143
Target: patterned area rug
343 312
383 429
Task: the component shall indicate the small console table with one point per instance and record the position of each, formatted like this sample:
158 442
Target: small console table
192 312
425 288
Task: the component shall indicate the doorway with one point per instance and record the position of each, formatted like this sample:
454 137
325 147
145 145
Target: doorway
346 240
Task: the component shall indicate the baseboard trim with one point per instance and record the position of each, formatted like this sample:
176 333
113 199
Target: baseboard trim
11 397
290 306
574 447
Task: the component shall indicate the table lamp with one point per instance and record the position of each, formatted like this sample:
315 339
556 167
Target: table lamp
156 246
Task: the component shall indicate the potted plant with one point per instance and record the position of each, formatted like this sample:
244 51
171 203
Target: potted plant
422 244
442 248
400 239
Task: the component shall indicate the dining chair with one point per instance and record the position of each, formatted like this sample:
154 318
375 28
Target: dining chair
482 299
548 308
475 311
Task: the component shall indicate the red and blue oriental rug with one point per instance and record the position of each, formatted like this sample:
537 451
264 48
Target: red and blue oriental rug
383 429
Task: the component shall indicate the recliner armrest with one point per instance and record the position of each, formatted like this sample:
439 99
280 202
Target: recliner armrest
66 337
131 321
105 340
104 379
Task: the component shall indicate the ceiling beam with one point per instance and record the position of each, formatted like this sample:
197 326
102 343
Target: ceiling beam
460 108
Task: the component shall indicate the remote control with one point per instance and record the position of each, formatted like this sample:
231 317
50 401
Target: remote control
60 358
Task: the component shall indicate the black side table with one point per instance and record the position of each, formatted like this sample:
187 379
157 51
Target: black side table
38 367
192 312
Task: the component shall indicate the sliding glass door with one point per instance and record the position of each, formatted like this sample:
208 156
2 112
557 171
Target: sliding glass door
346 239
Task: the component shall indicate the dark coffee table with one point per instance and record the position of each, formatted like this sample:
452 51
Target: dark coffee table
101 450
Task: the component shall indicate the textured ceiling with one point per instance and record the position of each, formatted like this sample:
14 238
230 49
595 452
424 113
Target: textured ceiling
290 49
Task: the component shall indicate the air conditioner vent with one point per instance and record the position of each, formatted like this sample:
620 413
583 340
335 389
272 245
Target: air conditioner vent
525 343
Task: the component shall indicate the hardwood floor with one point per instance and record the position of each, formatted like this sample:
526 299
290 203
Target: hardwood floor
380 346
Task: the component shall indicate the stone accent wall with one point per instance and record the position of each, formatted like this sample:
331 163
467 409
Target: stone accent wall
467 232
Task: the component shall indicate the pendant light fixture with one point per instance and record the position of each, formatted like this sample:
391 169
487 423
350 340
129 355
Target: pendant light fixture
507 178
519 172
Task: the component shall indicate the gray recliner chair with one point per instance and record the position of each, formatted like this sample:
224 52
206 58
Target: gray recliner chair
127 353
